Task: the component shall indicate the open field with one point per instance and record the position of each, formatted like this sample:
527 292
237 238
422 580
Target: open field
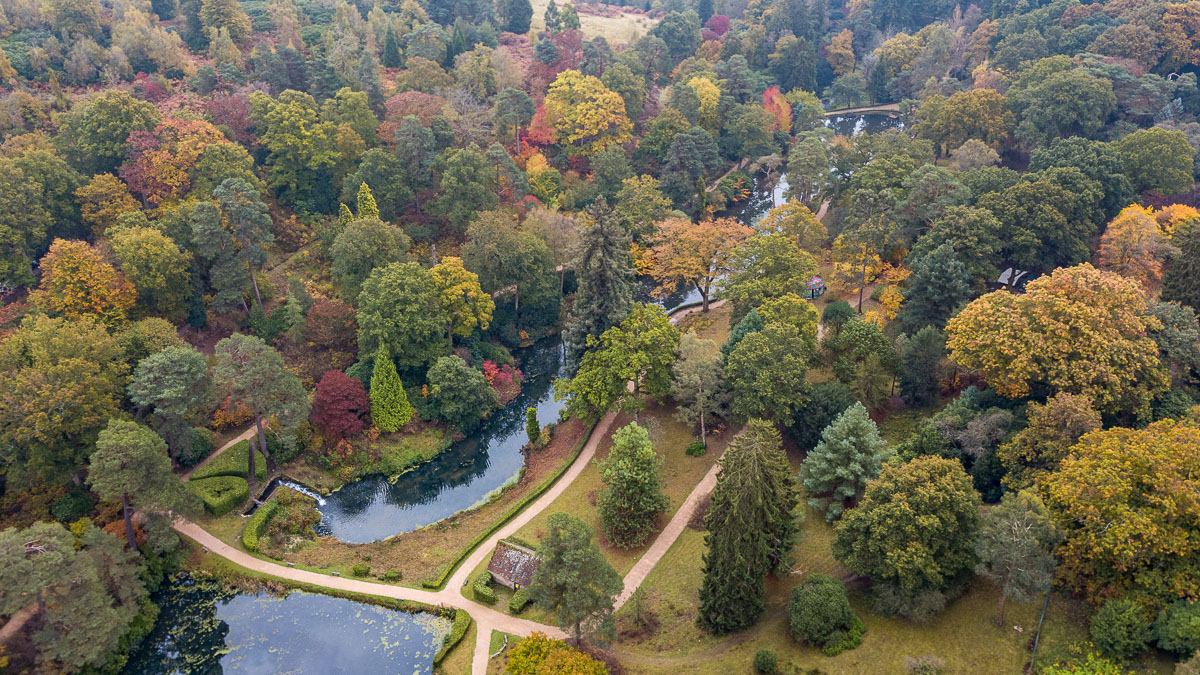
626 28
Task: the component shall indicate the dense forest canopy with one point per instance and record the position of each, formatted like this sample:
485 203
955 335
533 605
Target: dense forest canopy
327 220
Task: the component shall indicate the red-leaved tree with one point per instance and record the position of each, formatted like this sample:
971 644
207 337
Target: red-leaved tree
339 405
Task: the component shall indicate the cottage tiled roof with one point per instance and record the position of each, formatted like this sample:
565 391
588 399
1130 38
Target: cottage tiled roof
513 564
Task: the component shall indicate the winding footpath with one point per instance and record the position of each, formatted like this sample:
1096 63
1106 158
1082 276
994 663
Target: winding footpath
486 618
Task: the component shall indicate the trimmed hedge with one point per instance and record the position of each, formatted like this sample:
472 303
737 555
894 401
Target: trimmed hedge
482 588
462 622
440 580
518 602
258 521
221 494
233 462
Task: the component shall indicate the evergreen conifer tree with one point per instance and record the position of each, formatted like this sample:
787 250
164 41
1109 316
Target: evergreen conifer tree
551 16
919 366
574 578
1181 281
515 15
751 323
366 203
391 49
632 497
390 409
850 454
751 528
606 280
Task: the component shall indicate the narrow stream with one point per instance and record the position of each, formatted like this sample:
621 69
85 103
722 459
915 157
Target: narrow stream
204 628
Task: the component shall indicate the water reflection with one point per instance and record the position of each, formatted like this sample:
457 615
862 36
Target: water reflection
204 628
372 508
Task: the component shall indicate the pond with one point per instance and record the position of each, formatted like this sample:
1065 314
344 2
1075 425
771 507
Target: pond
375 508
768 194
203 627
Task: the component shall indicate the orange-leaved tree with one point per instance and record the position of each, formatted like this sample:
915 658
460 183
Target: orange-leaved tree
1079 329
696 254
76 281
1133 246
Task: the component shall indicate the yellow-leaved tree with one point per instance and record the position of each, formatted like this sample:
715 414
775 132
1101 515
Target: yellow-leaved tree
1079 330
1134 246
587 116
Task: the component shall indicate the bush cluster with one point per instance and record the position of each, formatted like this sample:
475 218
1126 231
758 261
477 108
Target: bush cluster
462 621
221 494
482 588
819 614
258 523
518 602
233 462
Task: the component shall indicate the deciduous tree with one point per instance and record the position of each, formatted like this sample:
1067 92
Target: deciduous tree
1016 548
77 282
587 116
366 244
339 405
698 385
767 374
1079 330
398 309
697 254
158 269
765 267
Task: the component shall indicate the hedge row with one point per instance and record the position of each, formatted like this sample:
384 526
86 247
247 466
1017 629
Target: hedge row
258 521
462 622
483 588
221 494
233 462
440 580
518 602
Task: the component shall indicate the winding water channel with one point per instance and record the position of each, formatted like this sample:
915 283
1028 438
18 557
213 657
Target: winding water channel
375 508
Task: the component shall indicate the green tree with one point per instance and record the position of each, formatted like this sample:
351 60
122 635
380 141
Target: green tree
390 409
157 268
574 579
93 133
751 323
86 589
463 303
837 314
254 374
466 187
1016 548
1181 280
515 15
640 205
1097 160
766 267
913 534
249 223
391 49
767 374
366 244
1054 426
514 108
632 498
751 529
819 610
920 365
698 385
1157 159
24 224
226 15
459 395
131 466
398 309
640 350
1175 629
606 280
937 288
850 455
175 382
1120 629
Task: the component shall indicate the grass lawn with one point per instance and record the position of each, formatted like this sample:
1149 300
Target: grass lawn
459 658
623 28
713 325
497 664
680 474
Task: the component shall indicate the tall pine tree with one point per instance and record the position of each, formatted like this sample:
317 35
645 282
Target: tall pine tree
751 529
606 280
391 49
850 454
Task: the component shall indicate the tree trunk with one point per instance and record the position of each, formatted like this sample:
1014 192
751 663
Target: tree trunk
127 509
578 634
257 295
517 137
703 298
251 479
1003 598
700 404
262 441
516 298
862 283
433 252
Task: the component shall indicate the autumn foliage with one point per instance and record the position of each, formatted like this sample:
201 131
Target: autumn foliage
76 282
1133 246
339 405
774 103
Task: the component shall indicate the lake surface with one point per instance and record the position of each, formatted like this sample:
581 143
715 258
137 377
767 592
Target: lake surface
204 628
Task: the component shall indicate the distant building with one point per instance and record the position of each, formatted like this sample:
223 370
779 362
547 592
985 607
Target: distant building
513 565
1012 279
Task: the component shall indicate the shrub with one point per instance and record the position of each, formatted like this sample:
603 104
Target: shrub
924 665
284 448
532 429
1177 629
818 609
462 621
391 576
360 569
696 449
258 523
459 395
482 588
199 446
221 494
72 506
233 462
845 640
765 661
518 602
1120 629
